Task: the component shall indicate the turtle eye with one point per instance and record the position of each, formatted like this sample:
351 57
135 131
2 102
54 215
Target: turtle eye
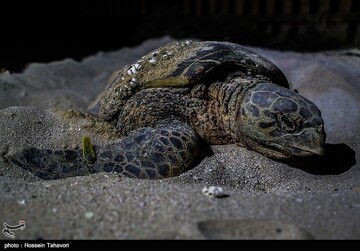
288 124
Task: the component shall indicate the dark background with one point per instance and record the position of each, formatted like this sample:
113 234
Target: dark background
43 31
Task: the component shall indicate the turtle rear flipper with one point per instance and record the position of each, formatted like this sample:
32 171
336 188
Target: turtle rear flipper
149 153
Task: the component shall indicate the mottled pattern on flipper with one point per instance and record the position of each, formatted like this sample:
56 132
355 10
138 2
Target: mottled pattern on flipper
152 153
51 164
149 153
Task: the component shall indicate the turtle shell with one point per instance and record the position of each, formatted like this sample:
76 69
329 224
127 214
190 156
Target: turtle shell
182 64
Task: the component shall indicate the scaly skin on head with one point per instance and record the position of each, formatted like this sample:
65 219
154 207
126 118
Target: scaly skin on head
259 115
280 123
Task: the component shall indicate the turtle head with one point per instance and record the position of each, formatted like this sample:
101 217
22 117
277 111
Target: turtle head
280 123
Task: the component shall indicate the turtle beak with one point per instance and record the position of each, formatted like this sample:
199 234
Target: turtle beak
309 142
315 143
317 147
318 151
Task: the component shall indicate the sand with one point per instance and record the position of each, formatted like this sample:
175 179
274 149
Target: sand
300 198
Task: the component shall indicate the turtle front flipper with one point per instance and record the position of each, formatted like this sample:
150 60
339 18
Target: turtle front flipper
149 153
152 153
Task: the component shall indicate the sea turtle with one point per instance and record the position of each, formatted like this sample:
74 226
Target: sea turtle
179 95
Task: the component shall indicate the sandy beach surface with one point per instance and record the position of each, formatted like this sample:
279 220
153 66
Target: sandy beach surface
314 197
